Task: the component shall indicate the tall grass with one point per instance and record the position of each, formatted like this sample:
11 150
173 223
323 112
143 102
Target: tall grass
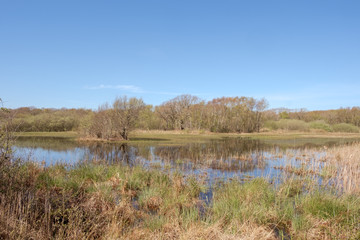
288 211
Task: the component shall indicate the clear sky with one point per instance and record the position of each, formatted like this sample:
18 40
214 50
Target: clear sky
295 53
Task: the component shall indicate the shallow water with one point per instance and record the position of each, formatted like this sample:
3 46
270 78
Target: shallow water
227 158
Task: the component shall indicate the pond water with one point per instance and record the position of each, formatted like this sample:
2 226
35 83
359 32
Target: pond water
226 158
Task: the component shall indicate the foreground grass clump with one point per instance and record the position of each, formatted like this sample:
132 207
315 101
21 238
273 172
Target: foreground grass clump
249 201
292 210
90 200
96 200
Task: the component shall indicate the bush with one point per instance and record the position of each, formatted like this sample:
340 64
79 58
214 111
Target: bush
288 124
272 125
321 124
345 127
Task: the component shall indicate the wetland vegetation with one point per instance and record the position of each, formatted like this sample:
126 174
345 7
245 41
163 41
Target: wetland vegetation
218 188
187 183
316 196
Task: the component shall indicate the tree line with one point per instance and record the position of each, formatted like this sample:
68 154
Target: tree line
185 112
238 114
342 115
30 119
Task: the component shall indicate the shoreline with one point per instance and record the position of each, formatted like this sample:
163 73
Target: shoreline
175 134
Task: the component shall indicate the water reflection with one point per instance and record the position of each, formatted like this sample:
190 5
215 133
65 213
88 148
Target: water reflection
224 158
224 155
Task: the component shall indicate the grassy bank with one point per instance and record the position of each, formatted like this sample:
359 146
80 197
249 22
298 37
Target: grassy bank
96 200
47 134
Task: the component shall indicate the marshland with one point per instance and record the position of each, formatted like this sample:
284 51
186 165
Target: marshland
181 186
242 173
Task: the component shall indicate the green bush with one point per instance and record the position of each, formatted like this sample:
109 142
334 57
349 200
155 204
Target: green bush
345 127
293 125
321 124
272 125
288 124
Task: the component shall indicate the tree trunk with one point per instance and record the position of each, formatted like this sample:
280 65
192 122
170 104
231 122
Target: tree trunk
124 134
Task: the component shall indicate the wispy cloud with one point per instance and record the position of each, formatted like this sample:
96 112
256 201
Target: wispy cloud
128 88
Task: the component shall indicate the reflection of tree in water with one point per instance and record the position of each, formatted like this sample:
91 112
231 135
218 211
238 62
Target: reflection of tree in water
110 152
113 153
227 154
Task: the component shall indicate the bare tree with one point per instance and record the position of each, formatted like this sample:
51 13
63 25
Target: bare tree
167 113
102 123
126 112
184 104
177 111
260 107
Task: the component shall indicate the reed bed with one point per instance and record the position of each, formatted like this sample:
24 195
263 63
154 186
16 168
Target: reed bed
338 166
343 164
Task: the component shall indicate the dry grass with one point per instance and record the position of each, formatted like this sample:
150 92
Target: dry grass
239 231
338 166
344 165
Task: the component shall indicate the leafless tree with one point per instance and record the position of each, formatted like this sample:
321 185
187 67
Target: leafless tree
260 107
177 111
126 112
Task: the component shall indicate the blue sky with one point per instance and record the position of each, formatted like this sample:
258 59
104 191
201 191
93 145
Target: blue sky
296 54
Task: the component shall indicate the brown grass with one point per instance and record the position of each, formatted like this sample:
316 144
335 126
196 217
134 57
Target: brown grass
345 162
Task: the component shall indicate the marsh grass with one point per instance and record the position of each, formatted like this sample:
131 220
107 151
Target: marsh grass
66 134
94 200
338 166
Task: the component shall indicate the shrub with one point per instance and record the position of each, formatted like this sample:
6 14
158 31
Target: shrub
345 127
288 124
321 124
272 125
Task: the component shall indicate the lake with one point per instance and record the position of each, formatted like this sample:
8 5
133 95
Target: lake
225 158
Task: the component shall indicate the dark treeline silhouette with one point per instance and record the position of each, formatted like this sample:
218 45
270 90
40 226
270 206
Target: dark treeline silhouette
184 112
